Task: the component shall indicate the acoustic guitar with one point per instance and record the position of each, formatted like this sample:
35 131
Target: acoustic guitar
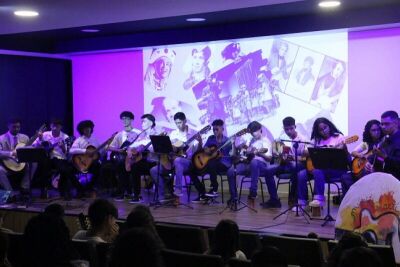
11 163
246 156
358 164
180 149
82 162
201 158
348 140
121 157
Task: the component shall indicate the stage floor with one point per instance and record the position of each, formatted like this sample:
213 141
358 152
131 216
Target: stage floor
199 215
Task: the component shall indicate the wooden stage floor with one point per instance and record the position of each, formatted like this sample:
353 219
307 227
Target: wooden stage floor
201 215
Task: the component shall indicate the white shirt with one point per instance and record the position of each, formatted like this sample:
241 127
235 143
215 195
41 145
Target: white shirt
57 151
81 143
300 149
82 235
177 135
122 136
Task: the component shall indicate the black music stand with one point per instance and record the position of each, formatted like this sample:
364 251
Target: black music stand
162 146
295 180
325 158
31 155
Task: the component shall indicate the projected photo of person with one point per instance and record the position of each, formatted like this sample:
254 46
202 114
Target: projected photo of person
277 64
210 101
159 68
164 109
305 75
266 99
232 53
330 84
200 69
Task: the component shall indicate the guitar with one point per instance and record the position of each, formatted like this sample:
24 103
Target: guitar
201 158
358 164
12 163
134 155
180 149
121 157
348 140
246 157
49 146
82 162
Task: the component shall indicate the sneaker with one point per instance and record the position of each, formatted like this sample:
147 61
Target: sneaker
178 192
299 208
199 199
136 199
272 204
317 202
212 193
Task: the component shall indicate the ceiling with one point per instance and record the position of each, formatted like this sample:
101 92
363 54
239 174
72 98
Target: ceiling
132 23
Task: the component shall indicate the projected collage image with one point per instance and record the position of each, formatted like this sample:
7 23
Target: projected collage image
263 79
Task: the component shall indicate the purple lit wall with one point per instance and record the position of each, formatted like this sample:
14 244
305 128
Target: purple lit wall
105 84
374 80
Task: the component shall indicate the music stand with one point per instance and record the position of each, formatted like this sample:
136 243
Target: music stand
325 158
162 146
31 155
296 162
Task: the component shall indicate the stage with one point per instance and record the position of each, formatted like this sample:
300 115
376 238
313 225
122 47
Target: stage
16 217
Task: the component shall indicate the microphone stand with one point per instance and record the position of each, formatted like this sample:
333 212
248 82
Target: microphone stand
297 206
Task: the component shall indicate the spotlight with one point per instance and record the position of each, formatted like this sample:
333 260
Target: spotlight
26 13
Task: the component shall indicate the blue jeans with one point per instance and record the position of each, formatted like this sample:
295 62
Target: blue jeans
319 183
254 170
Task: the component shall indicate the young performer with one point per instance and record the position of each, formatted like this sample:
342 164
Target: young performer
55 142
119 146
259 147
138 164
218 165
324 133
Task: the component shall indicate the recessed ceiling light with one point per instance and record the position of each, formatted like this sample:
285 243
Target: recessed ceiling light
26 13
195 19
90 30
329 4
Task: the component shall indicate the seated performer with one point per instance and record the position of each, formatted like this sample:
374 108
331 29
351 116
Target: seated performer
324 134
8 144
218 165
119 146
258 149
182 164
389 152
284 159
56 143
137 163
80 147
372 136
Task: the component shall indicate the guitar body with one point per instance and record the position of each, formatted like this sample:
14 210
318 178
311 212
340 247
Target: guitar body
201 158
358 165
83 161
12 164
309 165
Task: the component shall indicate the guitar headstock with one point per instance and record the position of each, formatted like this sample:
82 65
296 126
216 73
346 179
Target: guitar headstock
241 132
351 139
205 129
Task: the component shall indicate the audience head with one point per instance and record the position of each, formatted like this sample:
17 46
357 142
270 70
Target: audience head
54 210
226 239
348 241
140 216
102 213
269 256
360 257
137 247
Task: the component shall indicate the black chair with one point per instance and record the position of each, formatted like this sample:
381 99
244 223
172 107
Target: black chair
288 180
183 238
239 263
173 258
305 252
249 242
103 252
15 246
248 180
